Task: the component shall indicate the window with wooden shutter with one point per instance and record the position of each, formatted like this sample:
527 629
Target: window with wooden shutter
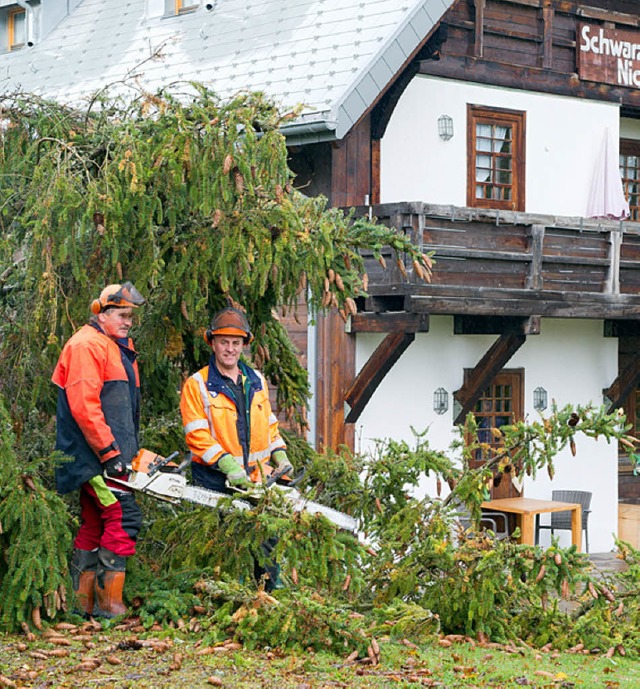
495 158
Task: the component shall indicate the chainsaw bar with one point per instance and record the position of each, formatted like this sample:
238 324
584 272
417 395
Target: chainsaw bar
299 503
173 487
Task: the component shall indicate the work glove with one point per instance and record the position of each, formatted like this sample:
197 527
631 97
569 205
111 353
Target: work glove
236 475
115 467
282 463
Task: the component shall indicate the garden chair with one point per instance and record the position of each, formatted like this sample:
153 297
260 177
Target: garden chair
494 521
562 520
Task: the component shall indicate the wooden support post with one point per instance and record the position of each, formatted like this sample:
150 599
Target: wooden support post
622 386
534 279
613 277
335 364
547 37
478 45
485 371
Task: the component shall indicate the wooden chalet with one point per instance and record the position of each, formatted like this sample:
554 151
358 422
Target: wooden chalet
501 267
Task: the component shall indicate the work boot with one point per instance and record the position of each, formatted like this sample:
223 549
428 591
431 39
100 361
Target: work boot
109 581
268 571
83 575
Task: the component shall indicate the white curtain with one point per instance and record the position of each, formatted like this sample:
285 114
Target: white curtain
606 198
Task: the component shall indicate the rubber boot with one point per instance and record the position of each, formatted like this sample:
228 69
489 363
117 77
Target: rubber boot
83 575
109 584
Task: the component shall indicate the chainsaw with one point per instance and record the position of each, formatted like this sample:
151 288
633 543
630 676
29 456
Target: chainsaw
163 479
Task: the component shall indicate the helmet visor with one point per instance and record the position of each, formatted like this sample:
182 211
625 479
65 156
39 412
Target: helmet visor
126 295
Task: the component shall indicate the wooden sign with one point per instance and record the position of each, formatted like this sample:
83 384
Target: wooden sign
609 56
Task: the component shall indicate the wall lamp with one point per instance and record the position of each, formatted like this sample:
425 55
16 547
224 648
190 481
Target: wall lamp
440 401
540 399
445 127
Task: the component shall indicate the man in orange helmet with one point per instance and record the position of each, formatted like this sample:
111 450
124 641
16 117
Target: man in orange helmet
228 423
97 425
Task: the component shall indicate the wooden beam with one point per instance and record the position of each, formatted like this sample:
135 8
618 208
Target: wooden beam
452 299
478 43
607 15
373 372
495 325
335 366
384 107
534 279
493 361
472 69
388 323
621 328
622 386
547 36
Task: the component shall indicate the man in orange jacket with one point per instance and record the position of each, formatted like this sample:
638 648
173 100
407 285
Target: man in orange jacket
228 423
97 425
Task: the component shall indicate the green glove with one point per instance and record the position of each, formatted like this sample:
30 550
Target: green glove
281 461
236 475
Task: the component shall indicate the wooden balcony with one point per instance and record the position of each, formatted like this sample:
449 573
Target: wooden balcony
498 263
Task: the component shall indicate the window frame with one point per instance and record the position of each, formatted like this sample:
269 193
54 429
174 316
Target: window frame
630 148
12 13
516 119
185 6
514 377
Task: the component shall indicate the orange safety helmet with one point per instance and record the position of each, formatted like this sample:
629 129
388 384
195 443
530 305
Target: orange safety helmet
229 321
117 296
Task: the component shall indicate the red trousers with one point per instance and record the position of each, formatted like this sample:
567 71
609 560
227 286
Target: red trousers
114 527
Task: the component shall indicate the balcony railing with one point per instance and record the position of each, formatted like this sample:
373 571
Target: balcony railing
511 264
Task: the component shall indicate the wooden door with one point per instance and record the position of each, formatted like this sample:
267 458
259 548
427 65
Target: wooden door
500 404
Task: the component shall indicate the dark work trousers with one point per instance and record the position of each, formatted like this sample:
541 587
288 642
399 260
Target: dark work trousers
213 479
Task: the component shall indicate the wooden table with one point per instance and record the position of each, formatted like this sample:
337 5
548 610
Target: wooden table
527 509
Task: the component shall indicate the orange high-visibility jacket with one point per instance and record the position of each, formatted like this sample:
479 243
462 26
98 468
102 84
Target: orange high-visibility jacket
98 404
209 417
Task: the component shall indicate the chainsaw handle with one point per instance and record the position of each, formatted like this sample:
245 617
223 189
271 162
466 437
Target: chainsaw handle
276 475
184 463
155 467
300 475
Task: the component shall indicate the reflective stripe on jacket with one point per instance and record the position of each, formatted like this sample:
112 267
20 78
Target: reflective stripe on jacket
210 416
98 405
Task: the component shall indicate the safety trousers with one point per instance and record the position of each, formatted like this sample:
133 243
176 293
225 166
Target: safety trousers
108 519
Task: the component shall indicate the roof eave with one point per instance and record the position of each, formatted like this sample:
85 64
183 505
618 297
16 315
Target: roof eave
312 131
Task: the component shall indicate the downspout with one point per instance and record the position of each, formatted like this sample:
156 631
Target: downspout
30 21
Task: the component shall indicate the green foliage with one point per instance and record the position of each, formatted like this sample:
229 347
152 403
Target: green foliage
526 447
300 620
34 538
310 549
189 198
418 574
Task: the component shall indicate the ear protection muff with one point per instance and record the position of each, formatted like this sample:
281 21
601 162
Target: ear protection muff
95 306
208 336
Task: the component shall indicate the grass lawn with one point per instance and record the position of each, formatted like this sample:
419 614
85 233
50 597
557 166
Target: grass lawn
78 657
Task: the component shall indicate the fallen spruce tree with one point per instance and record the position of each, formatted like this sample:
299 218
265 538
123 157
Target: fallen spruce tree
412 574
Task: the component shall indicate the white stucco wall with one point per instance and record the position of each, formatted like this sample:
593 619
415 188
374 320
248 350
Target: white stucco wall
570 358
564 138
629 129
